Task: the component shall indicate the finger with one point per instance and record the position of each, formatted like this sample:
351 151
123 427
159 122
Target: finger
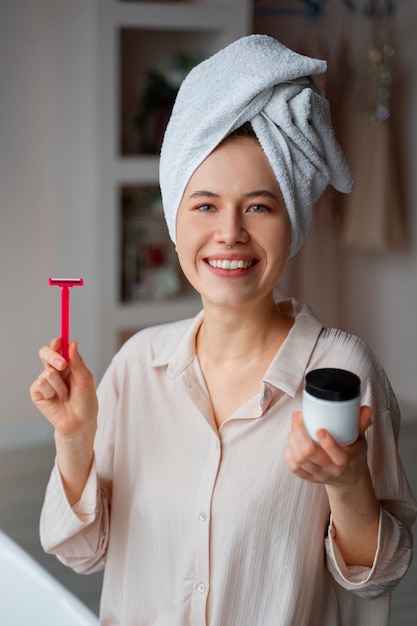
43 391
50 384
336 453
36 393
50 356
299 437
306 454
305 444
301 467
314 457
365 419
56 344
298 429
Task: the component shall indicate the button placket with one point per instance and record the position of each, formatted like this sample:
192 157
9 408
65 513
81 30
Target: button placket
202 555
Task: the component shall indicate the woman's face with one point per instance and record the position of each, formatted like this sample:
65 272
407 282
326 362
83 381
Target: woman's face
233 198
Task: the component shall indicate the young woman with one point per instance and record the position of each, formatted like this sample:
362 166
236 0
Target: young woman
195 485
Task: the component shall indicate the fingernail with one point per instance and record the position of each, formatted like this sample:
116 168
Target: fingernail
296 415
59 363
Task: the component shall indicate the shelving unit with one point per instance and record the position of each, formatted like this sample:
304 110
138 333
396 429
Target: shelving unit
136 39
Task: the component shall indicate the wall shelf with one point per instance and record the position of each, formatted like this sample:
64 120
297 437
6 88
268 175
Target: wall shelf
135 38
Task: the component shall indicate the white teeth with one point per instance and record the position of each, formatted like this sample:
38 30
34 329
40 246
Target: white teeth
226 264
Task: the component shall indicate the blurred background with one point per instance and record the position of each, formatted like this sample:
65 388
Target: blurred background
87 87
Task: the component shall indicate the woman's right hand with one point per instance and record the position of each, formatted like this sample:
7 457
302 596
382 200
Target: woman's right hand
65 393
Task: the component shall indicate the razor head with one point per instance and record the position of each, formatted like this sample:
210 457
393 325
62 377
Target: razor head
66 282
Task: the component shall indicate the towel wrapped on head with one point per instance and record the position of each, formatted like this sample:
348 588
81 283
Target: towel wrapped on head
256 79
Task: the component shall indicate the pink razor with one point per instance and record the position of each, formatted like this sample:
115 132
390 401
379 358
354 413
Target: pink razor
65 284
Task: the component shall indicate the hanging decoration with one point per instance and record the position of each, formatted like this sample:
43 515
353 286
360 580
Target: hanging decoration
310 9
373 213
313 9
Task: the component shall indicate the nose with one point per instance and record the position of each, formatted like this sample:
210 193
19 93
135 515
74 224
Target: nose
230 229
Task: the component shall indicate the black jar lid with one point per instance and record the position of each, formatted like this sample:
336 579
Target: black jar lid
336 385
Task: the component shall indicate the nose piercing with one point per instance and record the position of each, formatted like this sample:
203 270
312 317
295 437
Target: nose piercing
229 245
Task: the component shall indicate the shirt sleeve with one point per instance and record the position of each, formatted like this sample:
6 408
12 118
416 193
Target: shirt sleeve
76 535
397 503
391 561
79 535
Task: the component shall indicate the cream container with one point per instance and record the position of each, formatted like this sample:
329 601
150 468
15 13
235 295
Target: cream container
331 400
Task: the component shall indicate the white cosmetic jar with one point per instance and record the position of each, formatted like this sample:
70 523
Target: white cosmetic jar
331 400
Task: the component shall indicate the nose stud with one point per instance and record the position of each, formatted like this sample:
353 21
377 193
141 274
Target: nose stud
229 245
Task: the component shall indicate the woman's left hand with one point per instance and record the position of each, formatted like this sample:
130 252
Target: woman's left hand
327 462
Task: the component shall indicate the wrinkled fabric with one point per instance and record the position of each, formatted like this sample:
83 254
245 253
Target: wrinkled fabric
197 525
256 79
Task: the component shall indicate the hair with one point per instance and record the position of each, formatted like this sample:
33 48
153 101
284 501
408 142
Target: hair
245 130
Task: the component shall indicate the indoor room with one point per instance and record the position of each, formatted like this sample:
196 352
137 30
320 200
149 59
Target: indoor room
88 87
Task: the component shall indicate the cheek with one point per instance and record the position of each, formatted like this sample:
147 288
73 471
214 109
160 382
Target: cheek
185 252
182 242
188 267
280 241
190 237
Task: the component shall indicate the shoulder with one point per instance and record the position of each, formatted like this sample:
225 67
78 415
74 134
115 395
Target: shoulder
337 348
346 346
332 347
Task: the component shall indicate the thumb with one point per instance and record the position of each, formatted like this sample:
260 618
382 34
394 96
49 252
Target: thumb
74 356
79 370
365 419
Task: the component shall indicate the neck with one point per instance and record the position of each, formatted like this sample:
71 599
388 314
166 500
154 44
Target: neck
229 334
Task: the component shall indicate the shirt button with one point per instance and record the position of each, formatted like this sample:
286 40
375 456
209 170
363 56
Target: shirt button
201 587
203 517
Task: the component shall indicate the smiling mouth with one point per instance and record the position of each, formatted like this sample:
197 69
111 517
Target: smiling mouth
227 264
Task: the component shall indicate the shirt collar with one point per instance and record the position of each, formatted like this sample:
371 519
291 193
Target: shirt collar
286 371
180 352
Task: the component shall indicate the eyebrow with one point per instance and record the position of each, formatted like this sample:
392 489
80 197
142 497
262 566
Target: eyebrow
202 193
258 193
265 193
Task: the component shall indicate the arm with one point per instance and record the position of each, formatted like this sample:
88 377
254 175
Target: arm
74 521
345 474
382 474
363 557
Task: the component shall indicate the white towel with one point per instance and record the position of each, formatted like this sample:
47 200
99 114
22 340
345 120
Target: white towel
259 80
